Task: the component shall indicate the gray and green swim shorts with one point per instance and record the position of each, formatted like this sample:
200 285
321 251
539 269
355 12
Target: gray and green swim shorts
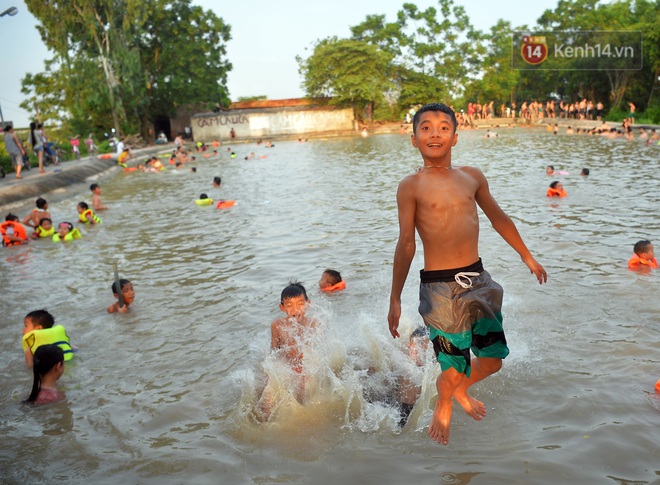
463 309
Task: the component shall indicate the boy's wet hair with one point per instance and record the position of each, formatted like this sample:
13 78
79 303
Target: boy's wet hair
93 187
217 180
585 171
203 196
83 205
434 107
45 358
122 283
41 318
41 203
335 277
11 217
294 290
554 184
551 167
45 219
642 246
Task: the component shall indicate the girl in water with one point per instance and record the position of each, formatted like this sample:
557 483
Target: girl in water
48 368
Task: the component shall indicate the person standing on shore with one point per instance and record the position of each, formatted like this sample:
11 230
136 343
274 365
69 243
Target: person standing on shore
15 149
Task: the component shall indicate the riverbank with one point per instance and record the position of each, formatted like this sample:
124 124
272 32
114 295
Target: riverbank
14 192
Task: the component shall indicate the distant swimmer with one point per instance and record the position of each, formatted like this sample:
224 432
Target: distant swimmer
556 189
644 258
490 134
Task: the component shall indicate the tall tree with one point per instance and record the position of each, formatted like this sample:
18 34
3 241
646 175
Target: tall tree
351 72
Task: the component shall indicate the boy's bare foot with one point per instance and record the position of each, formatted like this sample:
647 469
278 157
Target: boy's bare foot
474 408
439 428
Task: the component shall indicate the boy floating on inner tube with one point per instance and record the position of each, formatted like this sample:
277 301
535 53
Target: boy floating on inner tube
459 301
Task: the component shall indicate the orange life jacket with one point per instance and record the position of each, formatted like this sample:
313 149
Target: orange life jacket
336 287
19 231
636 262
556 192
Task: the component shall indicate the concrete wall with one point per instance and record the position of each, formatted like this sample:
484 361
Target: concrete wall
270 122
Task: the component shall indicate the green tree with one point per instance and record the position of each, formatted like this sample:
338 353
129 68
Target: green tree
351 72
434 51
152 55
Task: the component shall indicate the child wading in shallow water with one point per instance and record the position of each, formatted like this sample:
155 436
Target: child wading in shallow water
48 368
458 300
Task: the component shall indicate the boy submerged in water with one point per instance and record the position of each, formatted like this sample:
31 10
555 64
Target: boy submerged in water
458 300
127 294
287 335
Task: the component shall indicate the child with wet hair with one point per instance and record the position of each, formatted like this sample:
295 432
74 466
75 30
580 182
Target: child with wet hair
331 280
48 368
127 295
644 257
39 329
556 189
86 215
44 229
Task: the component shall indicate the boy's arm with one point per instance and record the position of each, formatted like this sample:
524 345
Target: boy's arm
275 334
503 224
404 252
28 221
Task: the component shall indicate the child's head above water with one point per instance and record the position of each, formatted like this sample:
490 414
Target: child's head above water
203 196
644 249
64 228
82 207
549 170
556 185
46 358
95 188
42 204
217 181
46 224
37 320
127 291
293 300
329 278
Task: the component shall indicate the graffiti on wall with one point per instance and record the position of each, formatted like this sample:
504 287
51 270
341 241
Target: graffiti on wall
222 120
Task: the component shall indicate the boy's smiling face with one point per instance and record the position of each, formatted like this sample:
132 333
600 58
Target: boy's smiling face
435 135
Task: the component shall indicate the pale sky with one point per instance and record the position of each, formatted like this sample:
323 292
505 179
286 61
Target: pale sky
266 36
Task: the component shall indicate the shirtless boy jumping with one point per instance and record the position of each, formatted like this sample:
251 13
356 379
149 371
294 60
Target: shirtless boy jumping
458 300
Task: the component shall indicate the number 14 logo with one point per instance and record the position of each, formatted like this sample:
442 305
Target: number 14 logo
534 50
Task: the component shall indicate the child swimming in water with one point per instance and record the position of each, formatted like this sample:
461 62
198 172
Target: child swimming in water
39 329
96 197
556 189
331 281
286 336
37 214
66 232
644 258
127 294
48 368
86 215
44 229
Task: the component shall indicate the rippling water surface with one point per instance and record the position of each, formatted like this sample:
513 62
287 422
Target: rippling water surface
163 394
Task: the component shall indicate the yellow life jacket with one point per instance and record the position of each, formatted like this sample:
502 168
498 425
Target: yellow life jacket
41 232
75 234
204 201
88 215
55 335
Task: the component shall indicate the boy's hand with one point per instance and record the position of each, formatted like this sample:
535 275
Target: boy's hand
122 309
536 269
393 318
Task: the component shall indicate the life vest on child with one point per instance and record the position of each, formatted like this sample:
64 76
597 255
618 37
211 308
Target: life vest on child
87 216
74 234
204 202
56 335
636 262
19 231
556 192
336 287
41 232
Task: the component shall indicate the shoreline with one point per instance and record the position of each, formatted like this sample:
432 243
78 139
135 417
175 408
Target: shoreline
15 193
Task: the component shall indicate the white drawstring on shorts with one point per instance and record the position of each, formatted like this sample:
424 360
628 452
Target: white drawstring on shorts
460 277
